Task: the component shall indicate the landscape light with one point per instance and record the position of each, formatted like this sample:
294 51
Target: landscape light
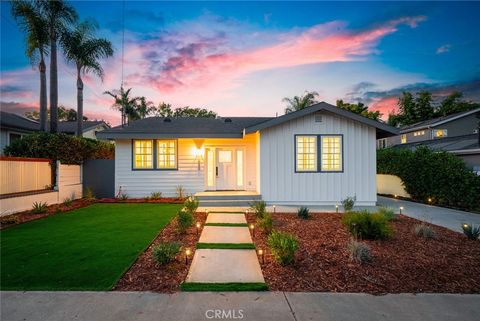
187 254
262 255
252 227
465 225
401 208
429 199
198 227
395 195
274 208
336 208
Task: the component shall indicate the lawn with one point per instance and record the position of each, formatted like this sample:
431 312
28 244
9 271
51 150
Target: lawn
85 249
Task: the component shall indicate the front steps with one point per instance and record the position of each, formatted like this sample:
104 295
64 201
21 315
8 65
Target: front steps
227 198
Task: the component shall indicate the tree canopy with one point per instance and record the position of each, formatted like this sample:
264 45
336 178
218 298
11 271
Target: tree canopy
64 114
166 110
300 102
360 109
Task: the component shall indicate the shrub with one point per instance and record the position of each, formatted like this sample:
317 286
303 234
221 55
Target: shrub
441 176
191 204
259 208
184 221
180 191
348 203
156 195
389 213
67 149
39 207
283 247
366 225
304 213
425 231
67 202
359 252
471 232
165 252
266 223
89 195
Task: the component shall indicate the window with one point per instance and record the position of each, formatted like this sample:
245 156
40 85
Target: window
331 153
225 156
239 167
306 153
419 133
439 133
381 143
403 139
167 154
143 154
13 137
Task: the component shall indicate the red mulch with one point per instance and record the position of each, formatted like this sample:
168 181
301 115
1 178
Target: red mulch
405 263
171 200
26 216
146 275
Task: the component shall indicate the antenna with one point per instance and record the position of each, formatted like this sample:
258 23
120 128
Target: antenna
123 57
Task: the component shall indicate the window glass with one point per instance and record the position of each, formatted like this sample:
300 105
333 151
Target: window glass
239 167
306 153
225 156
440 133
331 153
166 154
403 139
143 154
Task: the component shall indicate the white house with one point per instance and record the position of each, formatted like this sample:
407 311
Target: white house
316 156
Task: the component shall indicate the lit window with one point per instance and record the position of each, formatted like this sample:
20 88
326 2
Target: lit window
239 167
403 139
306 153
225 156
166 154
331 153
419 133
143 154
440 133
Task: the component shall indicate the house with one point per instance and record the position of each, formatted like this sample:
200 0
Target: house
315 156
457 134
13 126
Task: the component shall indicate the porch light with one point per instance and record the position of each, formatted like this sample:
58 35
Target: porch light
187 254
401 209
262 255
198 227
198 153
252 227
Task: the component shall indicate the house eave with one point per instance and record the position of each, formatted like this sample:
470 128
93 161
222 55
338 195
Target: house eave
111 135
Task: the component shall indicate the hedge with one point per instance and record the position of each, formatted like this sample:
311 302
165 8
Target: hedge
65 148
440 176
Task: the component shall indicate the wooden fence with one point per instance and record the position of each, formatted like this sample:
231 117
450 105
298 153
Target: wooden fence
21 175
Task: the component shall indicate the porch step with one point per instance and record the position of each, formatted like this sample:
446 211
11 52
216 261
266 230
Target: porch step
228 196
227 203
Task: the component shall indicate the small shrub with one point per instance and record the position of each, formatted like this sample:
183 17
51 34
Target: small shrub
123 196
39 207
266 223
155 195
389 213
425 231
191 204
367 226
89 195
471 232
304 213
67 202
259 208
359 252
283 247
180 191
348 203
165 252
184 221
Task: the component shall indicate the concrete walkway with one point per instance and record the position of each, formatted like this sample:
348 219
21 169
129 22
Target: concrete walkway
245 306
225 265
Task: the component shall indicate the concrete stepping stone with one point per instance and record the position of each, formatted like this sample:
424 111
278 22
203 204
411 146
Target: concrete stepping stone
225 218
225 234
219 266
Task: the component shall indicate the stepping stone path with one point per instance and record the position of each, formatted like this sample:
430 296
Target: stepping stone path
225 265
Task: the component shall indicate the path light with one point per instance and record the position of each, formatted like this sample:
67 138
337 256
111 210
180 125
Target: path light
198 227
187 254
429 199
252 227
246 211
401 209
262 255
395 195
274 208
336 208
465 225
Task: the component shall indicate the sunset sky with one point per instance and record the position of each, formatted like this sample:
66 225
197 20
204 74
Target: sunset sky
241 59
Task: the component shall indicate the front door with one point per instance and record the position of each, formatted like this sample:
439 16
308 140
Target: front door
225 169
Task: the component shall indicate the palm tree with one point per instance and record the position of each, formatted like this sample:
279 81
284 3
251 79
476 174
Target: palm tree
300 102
124 103
84 50
33 25
59 15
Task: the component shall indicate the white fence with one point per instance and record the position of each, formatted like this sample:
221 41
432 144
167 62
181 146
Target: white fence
391 185
19 175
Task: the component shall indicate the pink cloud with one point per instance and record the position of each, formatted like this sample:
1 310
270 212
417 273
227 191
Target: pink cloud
385 105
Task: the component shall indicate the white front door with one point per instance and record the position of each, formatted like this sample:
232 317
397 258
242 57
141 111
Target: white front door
225 170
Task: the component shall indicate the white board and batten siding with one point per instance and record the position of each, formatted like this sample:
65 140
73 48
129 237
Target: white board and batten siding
280 184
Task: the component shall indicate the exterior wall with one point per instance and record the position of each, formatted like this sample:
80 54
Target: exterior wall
471 160
3 140
390 185
279 184
140 183
460 127
91 133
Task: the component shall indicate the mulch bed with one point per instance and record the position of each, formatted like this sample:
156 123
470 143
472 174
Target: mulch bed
171 200
146 275
404 264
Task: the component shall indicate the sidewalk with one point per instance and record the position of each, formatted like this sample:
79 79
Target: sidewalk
255 306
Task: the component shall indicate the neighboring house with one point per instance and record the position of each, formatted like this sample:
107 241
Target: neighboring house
457 134
14 127
316 156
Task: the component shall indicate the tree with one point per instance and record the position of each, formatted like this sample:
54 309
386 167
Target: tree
300 102
84 50
124 103
453 103
194 112
33 24
406 105
144 107
360 109
58 16
423 106
64 114
163 110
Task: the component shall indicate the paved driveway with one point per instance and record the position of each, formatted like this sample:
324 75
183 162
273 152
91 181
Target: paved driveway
451 219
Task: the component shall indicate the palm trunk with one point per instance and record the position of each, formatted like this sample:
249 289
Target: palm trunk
43 93
53 85
79 103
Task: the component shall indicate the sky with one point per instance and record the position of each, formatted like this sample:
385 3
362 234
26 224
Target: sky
243 58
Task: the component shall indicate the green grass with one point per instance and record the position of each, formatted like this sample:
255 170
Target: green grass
191 287
86 249
226 246
226 224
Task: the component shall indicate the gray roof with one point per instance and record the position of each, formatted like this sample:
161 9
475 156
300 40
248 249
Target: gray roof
71 126
16 122
183 127
437 121
448 144
383 130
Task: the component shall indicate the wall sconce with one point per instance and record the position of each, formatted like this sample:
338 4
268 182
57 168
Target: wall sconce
198 153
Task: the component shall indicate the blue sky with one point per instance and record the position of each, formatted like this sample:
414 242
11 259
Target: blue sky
243 58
